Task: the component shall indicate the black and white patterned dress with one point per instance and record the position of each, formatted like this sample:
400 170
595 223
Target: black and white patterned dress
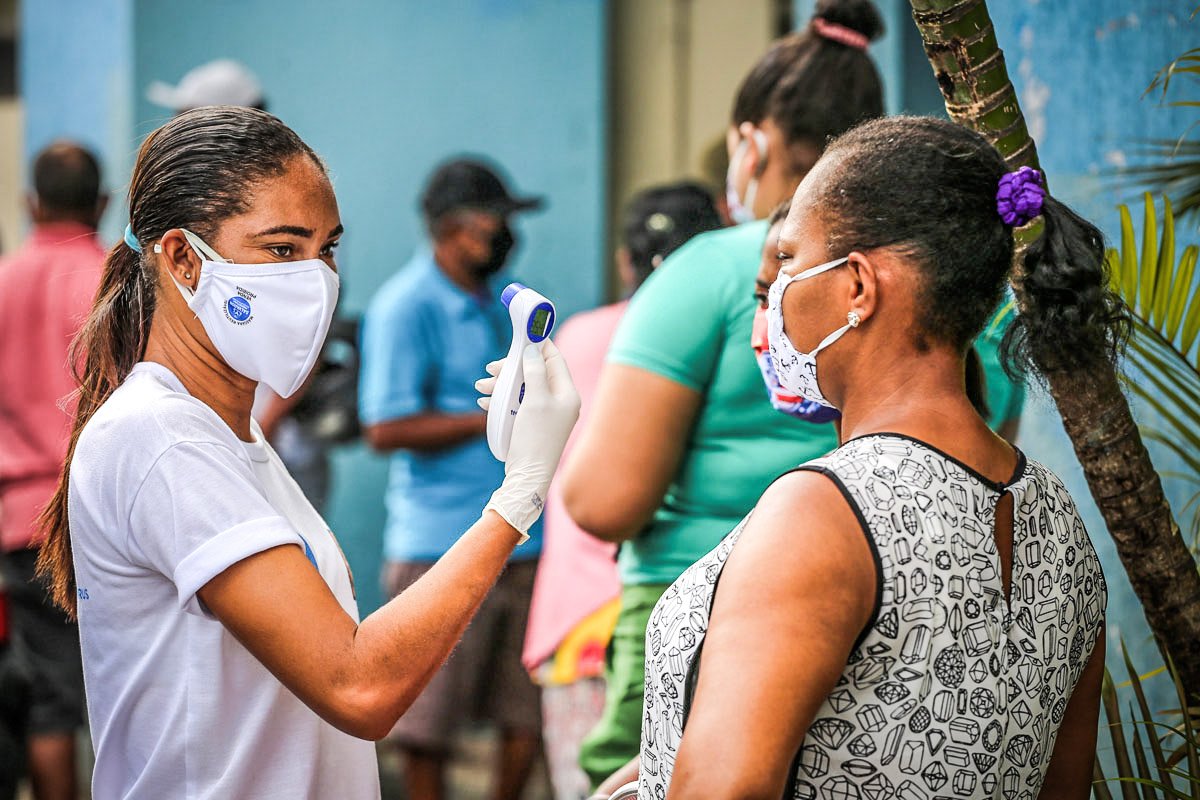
953 691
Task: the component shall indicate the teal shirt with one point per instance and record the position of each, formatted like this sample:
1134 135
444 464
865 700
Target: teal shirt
1005 397
691 322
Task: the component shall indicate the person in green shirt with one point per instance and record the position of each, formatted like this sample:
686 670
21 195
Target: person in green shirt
682 440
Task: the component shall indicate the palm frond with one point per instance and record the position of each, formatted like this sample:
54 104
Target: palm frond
1159 284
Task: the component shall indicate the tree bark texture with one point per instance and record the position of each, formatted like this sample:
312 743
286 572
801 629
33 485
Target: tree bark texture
969 65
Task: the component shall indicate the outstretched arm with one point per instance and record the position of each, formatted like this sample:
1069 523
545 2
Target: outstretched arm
361 678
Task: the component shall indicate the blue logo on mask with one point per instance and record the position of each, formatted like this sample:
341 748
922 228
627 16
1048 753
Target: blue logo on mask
238 308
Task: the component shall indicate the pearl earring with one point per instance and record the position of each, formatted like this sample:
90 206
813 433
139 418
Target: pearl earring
187 276
854 319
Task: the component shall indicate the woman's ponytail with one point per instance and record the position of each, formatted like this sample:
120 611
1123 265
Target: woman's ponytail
1071 320
111 341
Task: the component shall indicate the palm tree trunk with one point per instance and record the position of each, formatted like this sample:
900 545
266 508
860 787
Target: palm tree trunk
969 65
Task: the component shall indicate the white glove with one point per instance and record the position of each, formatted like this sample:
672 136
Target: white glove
544 421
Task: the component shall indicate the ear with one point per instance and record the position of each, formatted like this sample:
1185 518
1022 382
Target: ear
755 159
864 290
179 259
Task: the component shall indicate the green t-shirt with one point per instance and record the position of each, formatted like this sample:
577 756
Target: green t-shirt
691 322
1005 398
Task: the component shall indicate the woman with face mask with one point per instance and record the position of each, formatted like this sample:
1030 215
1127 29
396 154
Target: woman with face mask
921 612
222 646
680 402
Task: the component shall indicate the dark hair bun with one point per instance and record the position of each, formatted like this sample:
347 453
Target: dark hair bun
857 15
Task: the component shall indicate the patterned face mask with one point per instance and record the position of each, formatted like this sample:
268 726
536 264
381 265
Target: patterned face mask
798 371
781 399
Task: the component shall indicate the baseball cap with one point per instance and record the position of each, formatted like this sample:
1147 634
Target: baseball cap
223 82
469 183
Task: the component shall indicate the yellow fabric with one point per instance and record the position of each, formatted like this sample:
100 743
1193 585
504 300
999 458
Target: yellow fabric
581 654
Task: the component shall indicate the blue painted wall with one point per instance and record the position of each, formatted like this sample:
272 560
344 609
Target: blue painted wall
1080 69
75 72
383 90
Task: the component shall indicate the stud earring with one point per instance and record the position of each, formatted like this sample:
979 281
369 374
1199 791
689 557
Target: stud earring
188 276
854 319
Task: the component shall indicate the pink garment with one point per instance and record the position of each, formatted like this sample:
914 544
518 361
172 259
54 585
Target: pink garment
577 573
46 291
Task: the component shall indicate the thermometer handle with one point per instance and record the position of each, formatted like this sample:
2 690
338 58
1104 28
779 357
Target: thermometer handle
506 400
532 317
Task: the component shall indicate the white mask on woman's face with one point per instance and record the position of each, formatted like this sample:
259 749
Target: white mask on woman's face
797 372
742 209
268 321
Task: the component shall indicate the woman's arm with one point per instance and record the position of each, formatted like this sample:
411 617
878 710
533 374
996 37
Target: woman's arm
1069 776
794 596
616 476
359 678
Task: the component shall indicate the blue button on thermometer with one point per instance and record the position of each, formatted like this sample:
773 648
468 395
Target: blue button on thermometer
532 318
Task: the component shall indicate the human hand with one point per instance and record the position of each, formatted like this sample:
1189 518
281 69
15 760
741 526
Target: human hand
544 422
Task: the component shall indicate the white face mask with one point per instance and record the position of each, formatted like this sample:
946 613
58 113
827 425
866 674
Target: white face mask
268 321
797 372
742 210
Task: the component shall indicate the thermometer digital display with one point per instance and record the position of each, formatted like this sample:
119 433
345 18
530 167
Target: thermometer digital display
532 317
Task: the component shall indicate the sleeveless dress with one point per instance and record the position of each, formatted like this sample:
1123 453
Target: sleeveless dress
952 691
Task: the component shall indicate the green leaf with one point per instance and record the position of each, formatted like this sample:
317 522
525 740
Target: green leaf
1191 326
1149 261
1112 713
1181 293
1166 267
1143 766
1190 739
1160 761
1129 267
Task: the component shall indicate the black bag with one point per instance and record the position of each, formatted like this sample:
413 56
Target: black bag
328 412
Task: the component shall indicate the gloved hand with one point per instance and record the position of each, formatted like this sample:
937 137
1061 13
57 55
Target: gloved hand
544 421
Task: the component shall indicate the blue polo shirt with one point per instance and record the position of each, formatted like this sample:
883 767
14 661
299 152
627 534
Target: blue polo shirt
425 342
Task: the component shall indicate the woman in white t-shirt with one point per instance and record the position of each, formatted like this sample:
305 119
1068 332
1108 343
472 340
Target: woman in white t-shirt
222 647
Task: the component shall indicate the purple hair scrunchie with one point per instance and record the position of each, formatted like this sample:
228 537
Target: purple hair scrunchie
1020 196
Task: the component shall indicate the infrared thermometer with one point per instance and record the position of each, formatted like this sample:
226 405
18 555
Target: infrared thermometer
532 317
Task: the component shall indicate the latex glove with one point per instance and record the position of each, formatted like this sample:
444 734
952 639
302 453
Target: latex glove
540 431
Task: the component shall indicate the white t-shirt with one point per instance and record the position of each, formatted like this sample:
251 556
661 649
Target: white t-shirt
164 497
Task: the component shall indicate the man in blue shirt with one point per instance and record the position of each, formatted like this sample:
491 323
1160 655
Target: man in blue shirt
426 337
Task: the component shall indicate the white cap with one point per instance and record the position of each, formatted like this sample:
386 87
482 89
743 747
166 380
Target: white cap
218 83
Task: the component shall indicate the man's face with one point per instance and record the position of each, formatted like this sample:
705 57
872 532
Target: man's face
485 240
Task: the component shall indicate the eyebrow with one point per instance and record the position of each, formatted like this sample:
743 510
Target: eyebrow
296 230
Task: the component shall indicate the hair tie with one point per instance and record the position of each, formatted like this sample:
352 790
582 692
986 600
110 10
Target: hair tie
131 241
1020 196
840 34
